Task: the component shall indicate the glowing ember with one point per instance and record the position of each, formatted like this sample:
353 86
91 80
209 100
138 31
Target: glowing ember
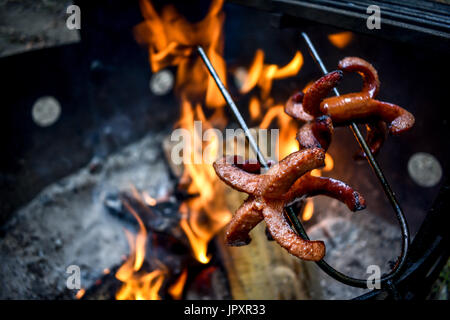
80 294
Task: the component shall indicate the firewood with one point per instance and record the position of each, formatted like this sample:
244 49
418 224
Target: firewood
262 269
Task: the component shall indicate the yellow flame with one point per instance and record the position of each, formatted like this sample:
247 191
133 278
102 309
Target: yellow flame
141 239
291 69
199 246
145 287
316 172
329 163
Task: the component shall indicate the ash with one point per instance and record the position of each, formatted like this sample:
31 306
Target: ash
67 224
353 241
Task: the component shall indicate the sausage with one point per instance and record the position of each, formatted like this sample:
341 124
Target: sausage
277 180
306 107
361 108
309 185
244 220
266 197
286 237
316 133
318 91
371 82
376 135
270 192
249 214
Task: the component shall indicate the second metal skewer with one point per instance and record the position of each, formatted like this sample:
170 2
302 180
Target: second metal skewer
232 105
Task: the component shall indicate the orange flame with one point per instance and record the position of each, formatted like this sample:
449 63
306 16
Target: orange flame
170 38
176 290
329 165
138 285
262 75
205 215
255 108
288 129
254 72
341 39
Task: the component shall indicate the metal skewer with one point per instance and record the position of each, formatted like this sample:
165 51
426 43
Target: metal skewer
292 216
386 187
232 105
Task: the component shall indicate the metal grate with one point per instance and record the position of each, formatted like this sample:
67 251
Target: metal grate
413 21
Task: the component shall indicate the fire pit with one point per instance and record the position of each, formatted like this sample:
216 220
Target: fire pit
89 182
